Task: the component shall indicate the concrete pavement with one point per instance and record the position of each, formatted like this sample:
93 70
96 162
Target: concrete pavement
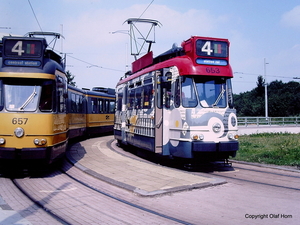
95 158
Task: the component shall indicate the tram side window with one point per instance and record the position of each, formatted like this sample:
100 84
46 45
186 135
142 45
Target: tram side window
230 94
79 103
100 106
61 91
177 94
119 101
46 101
94 105
138 98
147 96
111 106
106 106
158 94
167 91
1 96
131 99
73 102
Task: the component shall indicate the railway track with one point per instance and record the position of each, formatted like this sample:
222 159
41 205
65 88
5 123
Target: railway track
67 195
239 171
272 176
73 198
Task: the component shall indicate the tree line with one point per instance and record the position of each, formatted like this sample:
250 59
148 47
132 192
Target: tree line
283 99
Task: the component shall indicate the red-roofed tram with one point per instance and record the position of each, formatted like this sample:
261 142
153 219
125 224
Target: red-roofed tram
180 103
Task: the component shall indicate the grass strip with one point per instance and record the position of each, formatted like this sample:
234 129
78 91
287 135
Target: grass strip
270 148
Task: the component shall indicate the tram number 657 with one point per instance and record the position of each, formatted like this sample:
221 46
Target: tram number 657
19 121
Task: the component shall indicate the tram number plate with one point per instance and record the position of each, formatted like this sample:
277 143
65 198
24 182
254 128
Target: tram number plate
19 121
212 70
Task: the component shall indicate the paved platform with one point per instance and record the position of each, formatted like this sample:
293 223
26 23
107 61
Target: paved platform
96 158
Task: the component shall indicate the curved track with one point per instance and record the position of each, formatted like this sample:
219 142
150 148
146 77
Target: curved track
276 177
78 200
74 197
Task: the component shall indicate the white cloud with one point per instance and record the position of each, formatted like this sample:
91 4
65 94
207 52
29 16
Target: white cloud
89 37
292 18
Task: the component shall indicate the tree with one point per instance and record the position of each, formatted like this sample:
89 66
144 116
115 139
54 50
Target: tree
260 89
70 78
283 99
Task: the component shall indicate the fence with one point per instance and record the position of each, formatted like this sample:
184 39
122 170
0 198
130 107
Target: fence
269 121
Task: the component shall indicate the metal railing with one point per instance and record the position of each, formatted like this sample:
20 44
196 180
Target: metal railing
270 121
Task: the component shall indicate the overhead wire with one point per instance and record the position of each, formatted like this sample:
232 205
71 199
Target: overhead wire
35 16
90 64
146 9
268 75
93 65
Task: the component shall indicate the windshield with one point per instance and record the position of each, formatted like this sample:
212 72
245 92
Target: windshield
27 95
21 97
208 92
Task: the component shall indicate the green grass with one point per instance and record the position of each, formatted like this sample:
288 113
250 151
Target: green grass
270 148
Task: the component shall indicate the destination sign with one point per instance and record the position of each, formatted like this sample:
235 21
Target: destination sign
23 48
212 48
15 62
214 62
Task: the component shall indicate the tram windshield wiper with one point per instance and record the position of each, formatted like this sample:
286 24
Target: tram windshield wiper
29 99
220 96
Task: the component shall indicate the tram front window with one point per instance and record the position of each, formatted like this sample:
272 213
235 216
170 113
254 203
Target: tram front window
211 93
21 97
188 93
207 91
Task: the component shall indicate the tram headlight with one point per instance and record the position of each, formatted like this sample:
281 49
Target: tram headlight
2 141
19 132
43 141
217 127
37 141
231 136
196 137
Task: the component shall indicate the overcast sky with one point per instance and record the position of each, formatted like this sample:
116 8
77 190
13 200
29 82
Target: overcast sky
256 29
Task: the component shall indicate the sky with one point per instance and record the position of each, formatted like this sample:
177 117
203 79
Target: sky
264 35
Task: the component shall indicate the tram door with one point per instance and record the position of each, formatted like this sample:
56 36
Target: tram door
160 91
158 114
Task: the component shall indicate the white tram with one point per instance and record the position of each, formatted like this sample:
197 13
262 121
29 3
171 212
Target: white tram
180 103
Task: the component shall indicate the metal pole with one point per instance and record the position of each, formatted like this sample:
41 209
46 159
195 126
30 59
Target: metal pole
266 90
